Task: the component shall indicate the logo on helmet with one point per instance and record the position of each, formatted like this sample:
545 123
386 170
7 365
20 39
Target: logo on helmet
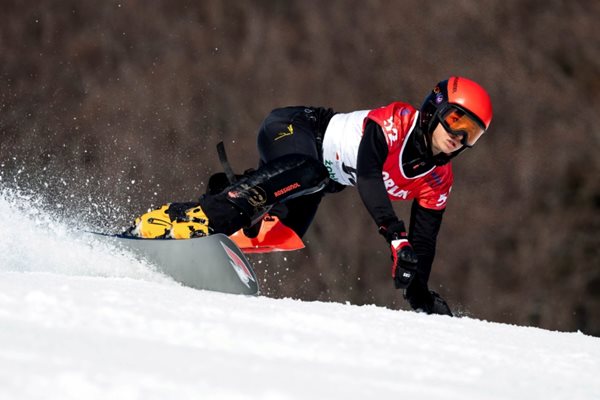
455 85
438 95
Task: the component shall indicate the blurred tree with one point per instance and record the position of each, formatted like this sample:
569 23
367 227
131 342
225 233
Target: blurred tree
119 104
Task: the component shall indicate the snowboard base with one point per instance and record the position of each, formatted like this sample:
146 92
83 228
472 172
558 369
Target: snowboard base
210 263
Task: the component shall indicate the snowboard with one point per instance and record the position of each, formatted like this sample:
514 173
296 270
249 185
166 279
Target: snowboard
210 263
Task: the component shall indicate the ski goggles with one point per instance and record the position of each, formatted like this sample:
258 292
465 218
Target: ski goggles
459 122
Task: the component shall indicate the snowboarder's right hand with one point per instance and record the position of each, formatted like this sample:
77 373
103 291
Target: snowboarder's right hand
404 265
404 258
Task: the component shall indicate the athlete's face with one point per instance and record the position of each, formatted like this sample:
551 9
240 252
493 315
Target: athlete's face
444 142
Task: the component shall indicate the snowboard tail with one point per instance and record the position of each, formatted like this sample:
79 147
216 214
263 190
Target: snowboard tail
211 263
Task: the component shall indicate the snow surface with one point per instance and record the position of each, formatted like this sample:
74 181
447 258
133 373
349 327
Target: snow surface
78 320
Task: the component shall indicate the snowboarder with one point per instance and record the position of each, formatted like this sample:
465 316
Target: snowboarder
391 153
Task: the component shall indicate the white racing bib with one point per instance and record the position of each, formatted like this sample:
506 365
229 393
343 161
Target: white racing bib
340 146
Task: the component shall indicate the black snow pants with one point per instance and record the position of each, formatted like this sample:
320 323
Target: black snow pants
284 132
292 130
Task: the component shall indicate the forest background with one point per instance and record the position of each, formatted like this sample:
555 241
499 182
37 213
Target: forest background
108 108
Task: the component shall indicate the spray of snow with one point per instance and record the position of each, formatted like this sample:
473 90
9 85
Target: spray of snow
34 240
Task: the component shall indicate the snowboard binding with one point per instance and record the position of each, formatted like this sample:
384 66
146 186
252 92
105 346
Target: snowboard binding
246 207
265 232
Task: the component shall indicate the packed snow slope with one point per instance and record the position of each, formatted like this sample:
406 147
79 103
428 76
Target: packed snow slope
78 320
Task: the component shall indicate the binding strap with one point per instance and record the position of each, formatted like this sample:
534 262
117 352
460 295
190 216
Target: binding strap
225 163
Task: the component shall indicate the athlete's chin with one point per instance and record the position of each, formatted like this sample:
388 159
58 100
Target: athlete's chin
447 149
451 149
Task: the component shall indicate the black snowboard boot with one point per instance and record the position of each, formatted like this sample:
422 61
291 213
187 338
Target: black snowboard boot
427 301
245 202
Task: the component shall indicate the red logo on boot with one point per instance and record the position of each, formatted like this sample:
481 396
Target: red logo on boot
287 189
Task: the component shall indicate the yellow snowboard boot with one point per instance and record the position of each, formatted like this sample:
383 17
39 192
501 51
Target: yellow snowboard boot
171 221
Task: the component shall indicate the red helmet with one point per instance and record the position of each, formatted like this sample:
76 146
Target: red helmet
462 106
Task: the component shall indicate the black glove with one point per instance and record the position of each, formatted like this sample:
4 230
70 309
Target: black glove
404 266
